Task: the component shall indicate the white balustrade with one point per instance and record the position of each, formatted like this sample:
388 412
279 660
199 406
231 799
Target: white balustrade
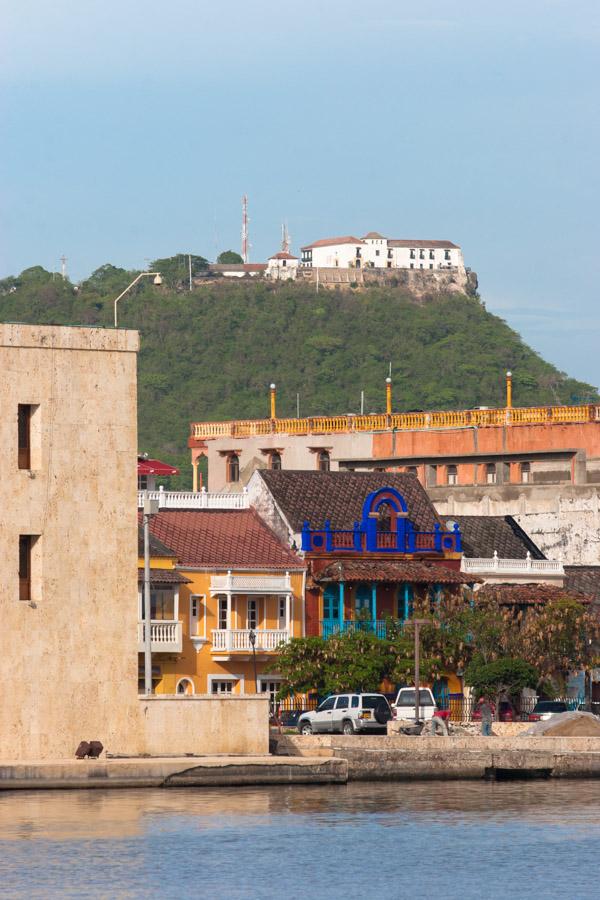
165 637
196 499
520 566
251 584
236 639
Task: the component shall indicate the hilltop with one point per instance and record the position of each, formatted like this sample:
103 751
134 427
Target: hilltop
212 352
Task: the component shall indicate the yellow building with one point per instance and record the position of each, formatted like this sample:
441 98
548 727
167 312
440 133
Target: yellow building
220 579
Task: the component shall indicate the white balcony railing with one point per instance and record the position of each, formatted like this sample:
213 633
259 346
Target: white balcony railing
251 584
239 639
165 637
196 500
525 566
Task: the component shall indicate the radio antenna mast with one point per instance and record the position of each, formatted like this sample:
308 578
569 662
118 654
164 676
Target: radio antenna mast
63 267
286 241
245 242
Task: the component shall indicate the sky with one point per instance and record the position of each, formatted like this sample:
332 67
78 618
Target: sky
131 129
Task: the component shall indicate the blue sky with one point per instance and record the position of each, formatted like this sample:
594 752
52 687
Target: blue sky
131 129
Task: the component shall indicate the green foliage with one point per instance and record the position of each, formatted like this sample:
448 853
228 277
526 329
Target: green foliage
229 258
175 270
211 353
503 676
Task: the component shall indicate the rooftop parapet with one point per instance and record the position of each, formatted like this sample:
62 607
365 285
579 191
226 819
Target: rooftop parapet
467 418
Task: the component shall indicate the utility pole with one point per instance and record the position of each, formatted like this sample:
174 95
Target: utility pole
297 406
150 509
245 243
190 268
417 625
362 403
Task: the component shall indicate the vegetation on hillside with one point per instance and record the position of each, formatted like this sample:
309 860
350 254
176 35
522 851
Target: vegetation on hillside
211 353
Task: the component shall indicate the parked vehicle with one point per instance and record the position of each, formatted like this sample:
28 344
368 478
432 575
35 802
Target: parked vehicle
545 709
507 712
286 718
347 714
404 705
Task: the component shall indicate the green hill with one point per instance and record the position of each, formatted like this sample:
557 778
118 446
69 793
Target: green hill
211 353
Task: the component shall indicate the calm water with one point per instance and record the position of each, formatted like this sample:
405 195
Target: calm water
468 840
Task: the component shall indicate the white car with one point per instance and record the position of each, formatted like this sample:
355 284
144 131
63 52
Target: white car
347 714
404 704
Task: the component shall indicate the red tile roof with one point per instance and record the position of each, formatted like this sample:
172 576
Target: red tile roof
406 242
154 467
374 235
329 242
528 594
416 571
223 539
283 255
163 576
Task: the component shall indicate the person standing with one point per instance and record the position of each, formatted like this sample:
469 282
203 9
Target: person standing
487 715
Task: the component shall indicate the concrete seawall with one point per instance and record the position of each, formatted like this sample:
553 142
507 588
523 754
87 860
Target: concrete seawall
189 772
437 758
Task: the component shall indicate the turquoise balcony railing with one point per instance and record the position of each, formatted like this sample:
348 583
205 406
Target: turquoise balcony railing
330 627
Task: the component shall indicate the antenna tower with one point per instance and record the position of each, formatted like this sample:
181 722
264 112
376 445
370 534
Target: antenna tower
63 267
286 241
245 243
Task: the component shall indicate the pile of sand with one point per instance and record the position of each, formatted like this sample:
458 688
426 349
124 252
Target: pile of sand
567 724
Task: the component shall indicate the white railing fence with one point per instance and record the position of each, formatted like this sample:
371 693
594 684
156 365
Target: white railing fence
196 499
164 636
239 639
496 564
244 584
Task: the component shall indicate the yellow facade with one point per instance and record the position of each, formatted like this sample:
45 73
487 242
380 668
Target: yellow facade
224 662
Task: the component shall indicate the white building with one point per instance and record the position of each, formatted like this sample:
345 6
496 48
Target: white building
282 266
376 251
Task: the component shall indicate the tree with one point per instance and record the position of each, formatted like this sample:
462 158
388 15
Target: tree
558 638
503 678
229 258
175 270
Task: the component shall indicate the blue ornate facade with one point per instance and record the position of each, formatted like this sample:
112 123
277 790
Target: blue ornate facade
384 528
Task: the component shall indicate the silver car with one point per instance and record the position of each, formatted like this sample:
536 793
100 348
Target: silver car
347 714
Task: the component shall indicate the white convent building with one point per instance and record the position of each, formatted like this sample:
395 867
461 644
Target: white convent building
378 252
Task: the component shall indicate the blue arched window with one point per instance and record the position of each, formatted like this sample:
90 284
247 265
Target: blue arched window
406 596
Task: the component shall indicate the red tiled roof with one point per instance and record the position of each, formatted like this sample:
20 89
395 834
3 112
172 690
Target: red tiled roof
329 242
374 235
528 594
283 255
155 467
222 539
416 571
409 242
164 576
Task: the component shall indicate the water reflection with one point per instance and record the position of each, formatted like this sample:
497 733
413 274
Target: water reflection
265 842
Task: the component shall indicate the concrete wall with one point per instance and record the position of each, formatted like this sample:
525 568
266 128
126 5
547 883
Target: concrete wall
297 452
68 659
205 724
563 520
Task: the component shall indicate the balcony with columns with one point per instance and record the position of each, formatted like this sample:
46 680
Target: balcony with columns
248 607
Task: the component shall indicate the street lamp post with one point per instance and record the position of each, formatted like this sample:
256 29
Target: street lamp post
417 623
157 281
252 639
150 509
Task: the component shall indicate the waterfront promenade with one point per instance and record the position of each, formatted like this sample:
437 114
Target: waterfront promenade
325 759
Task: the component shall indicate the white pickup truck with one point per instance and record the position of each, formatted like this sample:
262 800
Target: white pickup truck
404 704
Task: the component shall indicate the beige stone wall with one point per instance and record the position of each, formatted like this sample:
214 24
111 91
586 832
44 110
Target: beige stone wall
199 723
68 660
